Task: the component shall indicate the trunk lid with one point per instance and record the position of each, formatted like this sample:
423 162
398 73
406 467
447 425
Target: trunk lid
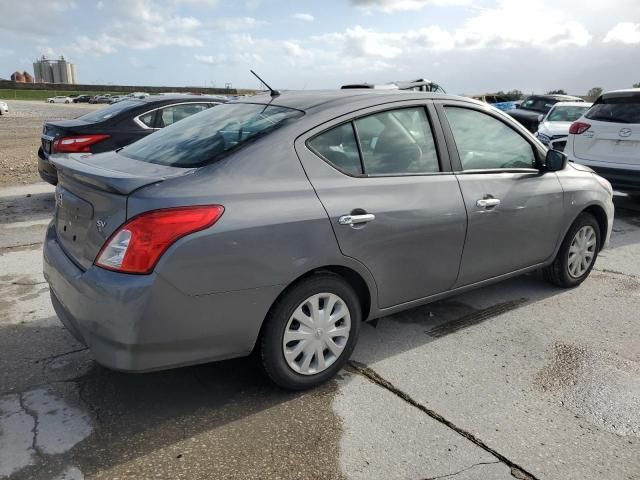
91 198
60 128
608 142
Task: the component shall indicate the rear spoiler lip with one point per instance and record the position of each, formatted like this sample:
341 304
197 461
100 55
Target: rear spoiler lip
114 181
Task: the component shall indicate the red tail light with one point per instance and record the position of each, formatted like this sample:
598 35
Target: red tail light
79 144
578 128
138 244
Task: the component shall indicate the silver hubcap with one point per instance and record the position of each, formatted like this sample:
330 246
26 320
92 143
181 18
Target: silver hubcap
316 334
582 251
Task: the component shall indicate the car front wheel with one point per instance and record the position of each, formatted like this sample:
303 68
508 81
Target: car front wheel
310 332
577 254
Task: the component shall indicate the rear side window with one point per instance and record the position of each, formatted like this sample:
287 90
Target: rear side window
484 142
201 139
148 119
395 142
175 113
617 109
339 147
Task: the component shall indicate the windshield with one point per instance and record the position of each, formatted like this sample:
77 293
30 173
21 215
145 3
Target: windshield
109 112
538 104
618 109
208 135
566 113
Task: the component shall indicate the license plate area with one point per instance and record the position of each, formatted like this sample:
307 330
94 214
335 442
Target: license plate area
73 215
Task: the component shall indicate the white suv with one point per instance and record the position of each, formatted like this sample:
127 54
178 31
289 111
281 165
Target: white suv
607 139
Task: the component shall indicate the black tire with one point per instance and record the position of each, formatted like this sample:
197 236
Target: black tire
271 353
558 272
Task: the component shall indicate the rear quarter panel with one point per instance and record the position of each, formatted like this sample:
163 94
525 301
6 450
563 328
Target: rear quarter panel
274 228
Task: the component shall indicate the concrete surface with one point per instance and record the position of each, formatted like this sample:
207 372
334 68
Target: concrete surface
516 380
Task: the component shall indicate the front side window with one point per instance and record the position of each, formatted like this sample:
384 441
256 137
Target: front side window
395 142
201 139
175 113
484 142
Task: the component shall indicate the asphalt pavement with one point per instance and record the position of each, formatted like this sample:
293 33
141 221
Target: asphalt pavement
515 380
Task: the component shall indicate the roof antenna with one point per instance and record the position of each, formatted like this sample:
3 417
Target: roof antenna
274 93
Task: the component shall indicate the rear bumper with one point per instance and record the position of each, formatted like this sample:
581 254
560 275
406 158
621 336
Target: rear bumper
46 170
621 179
141 322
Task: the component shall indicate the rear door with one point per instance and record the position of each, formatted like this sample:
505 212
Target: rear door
514 210
385 181
614 132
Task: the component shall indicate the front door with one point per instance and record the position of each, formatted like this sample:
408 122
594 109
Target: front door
514 209
391 204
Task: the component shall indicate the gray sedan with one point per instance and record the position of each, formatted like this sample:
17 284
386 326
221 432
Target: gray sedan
278 224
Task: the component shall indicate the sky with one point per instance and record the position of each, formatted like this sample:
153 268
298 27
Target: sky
467 46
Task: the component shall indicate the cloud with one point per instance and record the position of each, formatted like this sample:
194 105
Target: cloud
390 6
305 17
624 32
25 17
5 52
228 58
252 4
232 24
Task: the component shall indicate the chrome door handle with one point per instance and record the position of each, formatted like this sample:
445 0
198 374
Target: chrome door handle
488 202
356 219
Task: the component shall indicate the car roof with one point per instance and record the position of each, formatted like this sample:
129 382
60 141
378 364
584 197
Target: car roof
318 100
566 98
181 97
621 93
572 104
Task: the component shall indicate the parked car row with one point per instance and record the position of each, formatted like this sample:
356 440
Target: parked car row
114 126
278 224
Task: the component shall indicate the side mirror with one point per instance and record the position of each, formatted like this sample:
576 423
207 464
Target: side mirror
540 117
554 161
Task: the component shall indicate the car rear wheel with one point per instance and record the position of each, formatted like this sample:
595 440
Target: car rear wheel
310 332
577 254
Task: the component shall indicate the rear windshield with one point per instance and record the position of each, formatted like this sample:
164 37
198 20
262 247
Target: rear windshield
538 104
618 109
206 136
109 111
566 113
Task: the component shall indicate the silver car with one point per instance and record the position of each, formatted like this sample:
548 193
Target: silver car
280 223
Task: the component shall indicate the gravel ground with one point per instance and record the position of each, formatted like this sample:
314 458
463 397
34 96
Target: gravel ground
20 136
